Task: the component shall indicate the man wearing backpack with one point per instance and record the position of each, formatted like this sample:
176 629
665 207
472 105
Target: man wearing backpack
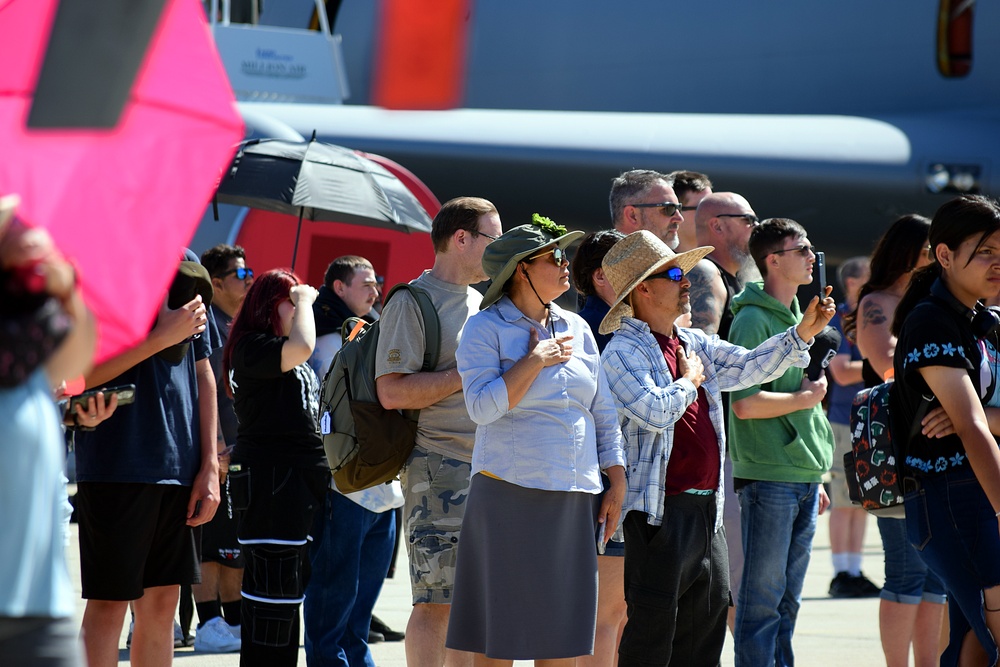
354 536
436 477
781 445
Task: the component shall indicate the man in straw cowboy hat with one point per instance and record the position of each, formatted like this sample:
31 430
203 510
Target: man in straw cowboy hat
666 382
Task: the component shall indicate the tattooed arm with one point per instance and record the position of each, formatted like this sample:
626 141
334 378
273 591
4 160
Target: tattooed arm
875 342
708 297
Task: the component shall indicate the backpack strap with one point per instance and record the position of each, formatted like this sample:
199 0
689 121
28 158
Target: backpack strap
432 323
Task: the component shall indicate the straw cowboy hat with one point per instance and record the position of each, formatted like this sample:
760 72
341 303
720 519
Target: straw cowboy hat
501 256
632 260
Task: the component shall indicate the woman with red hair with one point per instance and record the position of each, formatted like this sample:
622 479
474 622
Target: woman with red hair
281 475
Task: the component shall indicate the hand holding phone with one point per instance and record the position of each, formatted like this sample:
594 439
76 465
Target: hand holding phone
821 273
601 542
125 394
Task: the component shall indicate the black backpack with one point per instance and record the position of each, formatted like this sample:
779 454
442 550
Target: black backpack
366 444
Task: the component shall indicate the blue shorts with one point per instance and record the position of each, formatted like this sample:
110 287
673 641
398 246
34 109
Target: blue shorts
907 578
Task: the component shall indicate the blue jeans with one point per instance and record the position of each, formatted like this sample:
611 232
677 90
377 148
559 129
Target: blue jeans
951 523
907 578
350 555
779 520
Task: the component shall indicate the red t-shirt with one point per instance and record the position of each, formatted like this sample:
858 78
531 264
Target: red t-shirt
694 461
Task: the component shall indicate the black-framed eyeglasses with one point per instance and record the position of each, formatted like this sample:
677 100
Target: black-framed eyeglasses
803 250
673 274
241 273
479 233
668 208
559 256
689 208
751 219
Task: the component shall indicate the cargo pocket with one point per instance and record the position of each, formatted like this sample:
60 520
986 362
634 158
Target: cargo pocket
272 625
238 487
273 573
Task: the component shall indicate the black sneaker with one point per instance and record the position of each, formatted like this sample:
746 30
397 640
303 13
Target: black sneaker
843 586
865 587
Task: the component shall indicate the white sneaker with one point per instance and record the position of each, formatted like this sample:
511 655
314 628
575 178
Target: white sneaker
215 637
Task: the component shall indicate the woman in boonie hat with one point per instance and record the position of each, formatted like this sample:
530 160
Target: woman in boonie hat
547 425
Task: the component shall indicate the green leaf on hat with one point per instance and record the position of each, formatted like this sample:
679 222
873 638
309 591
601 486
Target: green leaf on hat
547 225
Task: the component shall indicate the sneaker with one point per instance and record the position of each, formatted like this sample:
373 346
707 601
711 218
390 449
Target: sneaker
865 587
235 631
843 586
215 637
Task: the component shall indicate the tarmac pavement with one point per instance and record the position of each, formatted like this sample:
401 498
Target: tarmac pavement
829 632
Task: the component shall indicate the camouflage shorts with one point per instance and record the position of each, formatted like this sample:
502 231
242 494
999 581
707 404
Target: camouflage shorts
435 488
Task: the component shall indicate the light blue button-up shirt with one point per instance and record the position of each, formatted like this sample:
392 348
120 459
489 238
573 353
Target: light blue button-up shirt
564 430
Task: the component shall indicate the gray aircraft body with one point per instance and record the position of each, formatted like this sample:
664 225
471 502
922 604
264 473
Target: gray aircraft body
839 115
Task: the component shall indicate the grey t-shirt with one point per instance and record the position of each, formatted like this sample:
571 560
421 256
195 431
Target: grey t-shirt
444 427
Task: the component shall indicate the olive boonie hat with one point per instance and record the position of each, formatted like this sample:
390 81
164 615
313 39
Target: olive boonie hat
192 279
501 256
632 260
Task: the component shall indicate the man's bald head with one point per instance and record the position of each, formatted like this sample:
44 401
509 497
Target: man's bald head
716 203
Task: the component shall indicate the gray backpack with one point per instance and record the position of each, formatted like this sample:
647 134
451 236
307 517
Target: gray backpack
365 443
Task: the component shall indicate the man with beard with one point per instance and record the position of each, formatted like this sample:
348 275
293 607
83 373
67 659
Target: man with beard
667 382
645 199
723 220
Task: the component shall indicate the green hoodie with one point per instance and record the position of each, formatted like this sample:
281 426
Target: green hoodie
797 447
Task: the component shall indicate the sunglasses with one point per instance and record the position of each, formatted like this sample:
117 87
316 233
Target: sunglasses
803 250
241 273
674 274
479 233
558 256
668 208
751 219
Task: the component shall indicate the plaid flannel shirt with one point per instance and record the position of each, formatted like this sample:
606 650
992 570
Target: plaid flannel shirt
650 401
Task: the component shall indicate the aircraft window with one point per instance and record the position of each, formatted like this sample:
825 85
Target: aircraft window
954 42
299 14
241 11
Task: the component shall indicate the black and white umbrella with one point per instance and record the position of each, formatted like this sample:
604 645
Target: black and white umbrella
322 182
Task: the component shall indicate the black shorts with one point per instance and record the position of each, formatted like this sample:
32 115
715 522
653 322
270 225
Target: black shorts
133 537
218 538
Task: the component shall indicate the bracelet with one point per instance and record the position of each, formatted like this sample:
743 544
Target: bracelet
997 515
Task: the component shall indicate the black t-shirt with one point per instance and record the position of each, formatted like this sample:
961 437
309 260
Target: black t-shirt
733 287
277 411
933 334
